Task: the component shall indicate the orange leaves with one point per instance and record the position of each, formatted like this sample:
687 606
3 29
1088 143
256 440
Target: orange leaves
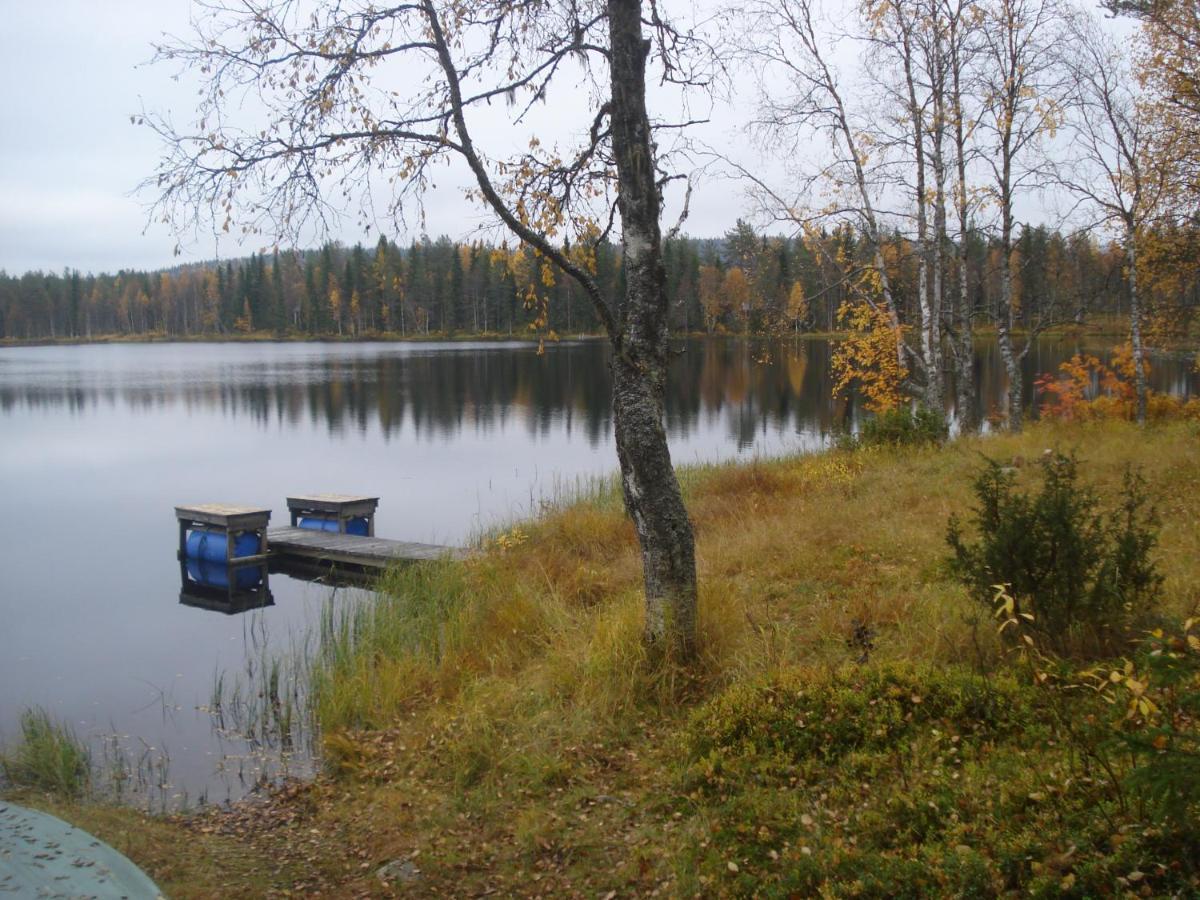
1064 393
1085 388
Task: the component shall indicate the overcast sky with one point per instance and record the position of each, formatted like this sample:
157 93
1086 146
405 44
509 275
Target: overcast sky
70 158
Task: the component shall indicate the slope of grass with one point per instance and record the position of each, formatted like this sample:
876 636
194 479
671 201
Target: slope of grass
496 726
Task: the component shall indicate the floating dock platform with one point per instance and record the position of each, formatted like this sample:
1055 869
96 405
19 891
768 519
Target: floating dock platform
338 529
352 549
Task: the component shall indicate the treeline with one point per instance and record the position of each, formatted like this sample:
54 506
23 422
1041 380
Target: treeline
742 282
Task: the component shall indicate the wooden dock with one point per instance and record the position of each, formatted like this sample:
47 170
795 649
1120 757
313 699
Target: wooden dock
354 550
340 535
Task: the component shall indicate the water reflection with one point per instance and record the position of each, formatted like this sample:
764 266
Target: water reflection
220 586
441 390
229 602
99 443
223 595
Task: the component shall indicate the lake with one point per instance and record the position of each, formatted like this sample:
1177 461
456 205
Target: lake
99 443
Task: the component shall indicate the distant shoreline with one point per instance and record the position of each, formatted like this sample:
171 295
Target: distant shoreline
270 338
1102 328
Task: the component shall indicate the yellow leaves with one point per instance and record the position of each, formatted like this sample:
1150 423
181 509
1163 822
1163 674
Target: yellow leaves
1170 72
1011 616
1139 703
867 357
509 540
1005 604
533 275
797 303
1168 269
736 288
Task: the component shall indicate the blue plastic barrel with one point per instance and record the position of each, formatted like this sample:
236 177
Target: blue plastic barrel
216 574
209 544
317 523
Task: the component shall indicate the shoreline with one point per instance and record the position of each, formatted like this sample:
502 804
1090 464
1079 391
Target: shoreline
1098 329
534 742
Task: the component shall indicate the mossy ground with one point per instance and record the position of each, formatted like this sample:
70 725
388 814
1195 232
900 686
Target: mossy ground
498 726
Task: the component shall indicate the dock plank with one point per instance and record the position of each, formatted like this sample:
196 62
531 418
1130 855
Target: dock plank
353 549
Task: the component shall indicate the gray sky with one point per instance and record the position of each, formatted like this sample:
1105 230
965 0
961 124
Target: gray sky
70 158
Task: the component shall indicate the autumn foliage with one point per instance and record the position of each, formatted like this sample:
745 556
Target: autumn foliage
867 357
1084 388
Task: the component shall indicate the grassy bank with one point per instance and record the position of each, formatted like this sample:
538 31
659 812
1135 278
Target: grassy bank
854 727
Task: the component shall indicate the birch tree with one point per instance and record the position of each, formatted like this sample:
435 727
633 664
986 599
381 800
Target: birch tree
1022 103
912 140
908 65
1109 170
963 18
1168 70
307 107
801 95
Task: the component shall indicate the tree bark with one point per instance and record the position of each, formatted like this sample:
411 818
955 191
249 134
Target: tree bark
1135 326
1004 315
1004 325
652 494
928 351
964 338
935 392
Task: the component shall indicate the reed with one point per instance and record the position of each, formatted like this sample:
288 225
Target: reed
48 757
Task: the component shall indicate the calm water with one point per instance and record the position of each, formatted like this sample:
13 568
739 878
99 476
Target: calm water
97 444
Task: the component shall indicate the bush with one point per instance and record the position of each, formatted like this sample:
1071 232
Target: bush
795 717
1160 688
901 427
49 757
1079 577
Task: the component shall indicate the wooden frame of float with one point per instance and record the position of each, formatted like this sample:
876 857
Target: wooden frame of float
342 507
233 520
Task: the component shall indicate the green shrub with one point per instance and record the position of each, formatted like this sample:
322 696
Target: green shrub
901 427
49 757
795 717
1161 723
1080 578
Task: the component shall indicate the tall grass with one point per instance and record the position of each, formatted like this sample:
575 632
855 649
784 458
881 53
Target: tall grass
499 718
532 646
47 757
536 640
374 654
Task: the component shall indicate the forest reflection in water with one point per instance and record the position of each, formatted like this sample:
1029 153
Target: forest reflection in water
442 389
101 442
439 390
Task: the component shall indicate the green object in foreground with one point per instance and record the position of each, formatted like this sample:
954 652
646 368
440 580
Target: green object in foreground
41 856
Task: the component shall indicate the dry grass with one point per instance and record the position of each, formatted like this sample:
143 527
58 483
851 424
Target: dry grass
500 721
